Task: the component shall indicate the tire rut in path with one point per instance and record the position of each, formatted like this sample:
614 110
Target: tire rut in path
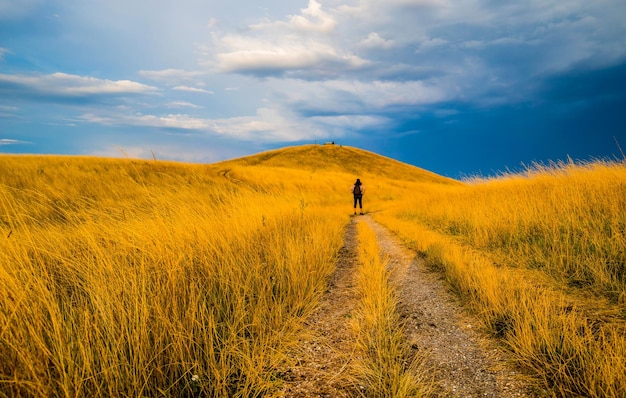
464 362
322 360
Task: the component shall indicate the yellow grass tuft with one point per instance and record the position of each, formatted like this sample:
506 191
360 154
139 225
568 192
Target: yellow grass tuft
385 365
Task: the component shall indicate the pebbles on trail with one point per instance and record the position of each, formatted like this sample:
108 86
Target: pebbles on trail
464 362
321 363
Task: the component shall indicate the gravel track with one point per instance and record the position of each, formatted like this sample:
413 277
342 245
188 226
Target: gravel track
464 361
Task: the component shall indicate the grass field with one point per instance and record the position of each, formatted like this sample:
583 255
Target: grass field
541 258
149 278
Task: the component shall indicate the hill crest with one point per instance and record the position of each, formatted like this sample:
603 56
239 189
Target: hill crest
340 158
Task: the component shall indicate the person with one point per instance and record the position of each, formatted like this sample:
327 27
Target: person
357 191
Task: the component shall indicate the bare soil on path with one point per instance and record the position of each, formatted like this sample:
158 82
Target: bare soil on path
464 361
323 359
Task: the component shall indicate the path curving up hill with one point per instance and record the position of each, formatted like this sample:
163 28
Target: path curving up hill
463 361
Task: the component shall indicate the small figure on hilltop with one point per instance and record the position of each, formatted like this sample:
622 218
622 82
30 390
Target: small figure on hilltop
358 190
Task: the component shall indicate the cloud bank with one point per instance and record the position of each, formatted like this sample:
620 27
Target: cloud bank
69 86
300 71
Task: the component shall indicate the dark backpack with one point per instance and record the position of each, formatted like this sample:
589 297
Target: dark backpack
357 189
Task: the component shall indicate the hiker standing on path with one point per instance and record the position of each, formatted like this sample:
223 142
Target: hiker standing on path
358 190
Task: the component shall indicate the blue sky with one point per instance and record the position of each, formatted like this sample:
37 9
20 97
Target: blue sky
462 88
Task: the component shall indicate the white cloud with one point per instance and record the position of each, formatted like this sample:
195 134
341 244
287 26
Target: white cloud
8 141
279 55
350 122
375 41
3 51
213 22
193 89
381 94
311 19
67 85
267 125
303 43
165 151
178 121
183 104
359 97
171 76
384 11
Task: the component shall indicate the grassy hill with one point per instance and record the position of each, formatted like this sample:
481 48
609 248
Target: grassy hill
338 158
125 277
129 277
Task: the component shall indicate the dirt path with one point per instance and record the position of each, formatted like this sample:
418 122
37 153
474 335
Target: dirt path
322 361
464 362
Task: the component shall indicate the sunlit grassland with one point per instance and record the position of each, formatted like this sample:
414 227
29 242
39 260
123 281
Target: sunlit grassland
370 167
541 258
385 366
131 278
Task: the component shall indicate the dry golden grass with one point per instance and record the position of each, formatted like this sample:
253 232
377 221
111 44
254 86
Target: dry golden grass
131 278
128 278
567 221
541 258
